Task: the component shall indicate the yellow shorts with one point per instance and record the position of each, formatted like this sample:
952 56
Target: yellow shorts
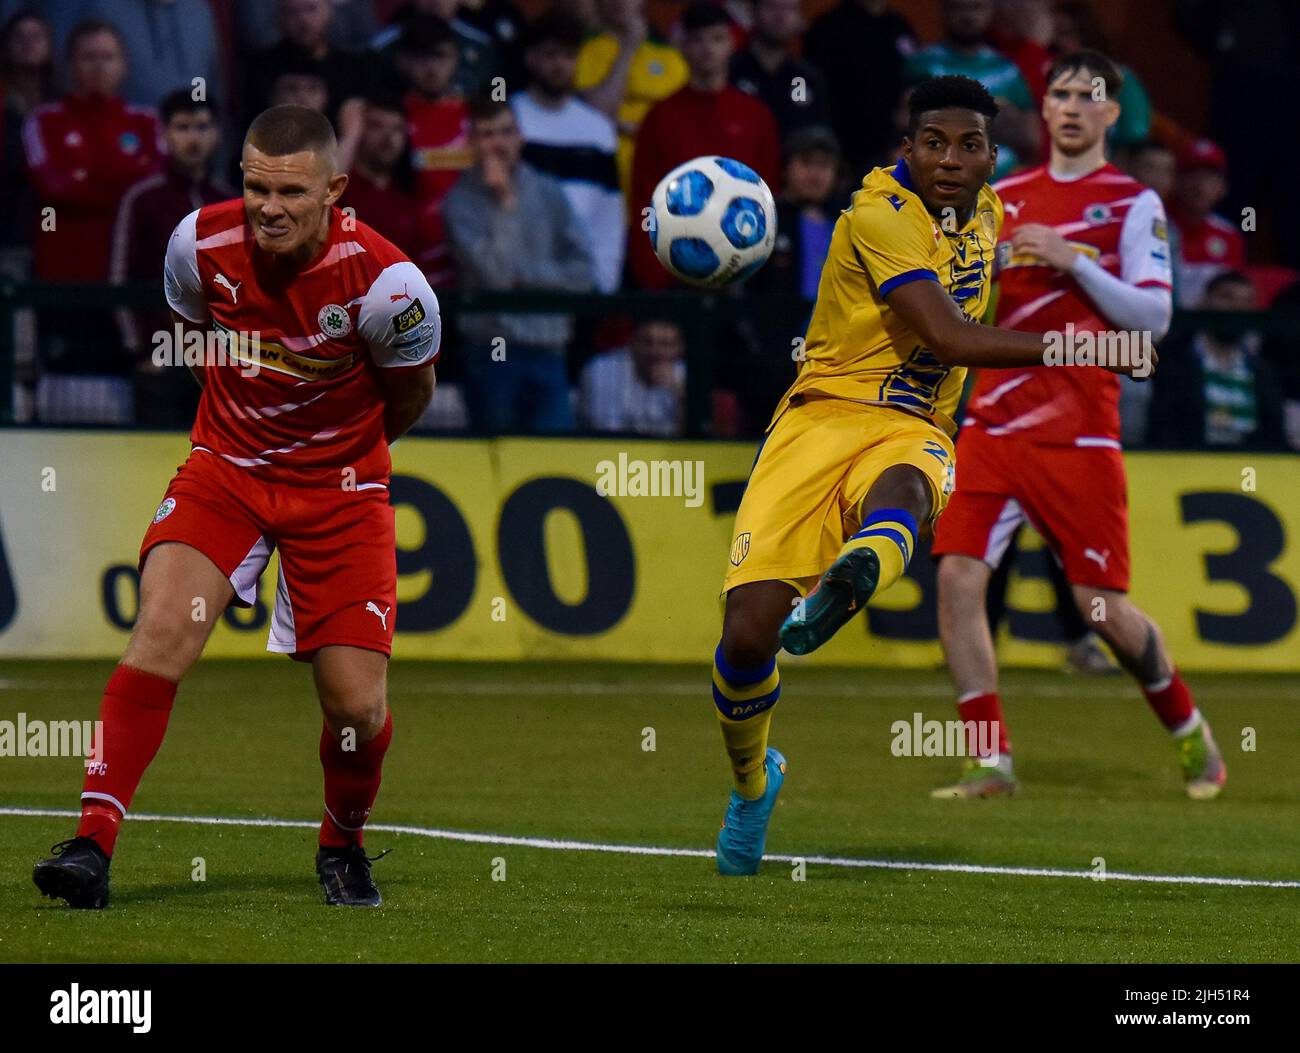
813 470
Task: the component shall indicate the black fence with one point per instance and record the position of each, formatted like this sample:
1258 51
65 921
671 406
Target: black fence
711 325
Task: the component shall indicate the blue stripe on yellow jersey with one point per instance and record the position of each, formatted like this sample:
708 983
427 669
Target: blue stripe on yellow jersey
857 348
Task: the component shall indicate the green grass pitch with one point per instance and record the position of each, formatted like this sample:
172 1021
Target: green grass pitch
556 751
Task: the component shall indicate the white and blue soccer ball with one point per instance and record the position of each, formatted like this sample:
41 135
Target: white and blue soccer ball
712 221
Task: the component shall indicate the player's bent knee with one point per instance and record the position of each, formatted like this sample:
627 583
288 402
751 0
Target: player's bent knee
362 711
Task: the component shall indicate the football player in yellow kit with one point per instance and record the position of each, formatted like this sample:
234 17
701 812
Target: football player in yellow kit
858 457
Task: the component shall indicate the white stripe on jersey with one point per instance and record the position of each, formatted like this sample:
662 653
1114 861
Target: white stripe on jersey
1016 317
229 236
340 250
1002 389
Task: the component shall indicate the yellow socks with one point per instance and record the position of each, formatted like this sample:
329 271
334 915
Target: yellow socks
745 698
891 534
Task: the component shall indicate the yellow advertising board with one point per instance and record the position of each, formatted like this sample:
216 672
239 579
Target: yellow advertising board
615 549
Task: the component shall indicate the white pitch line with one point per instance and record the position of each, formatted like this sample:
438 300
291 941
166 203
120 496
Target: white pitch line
1096 691
553 845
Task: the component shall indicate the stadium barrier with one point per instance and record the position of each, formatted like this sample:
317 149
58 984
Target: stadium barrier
776 324
522 548
697 315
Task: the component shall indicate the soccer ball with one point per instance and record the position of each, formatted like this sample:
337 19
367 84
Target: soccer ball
712 221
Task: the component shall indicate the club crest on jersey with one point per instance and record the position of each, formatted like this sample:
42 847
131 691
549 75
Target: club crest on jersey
740 549
988 223
334 321
1097 214
165 509
410 318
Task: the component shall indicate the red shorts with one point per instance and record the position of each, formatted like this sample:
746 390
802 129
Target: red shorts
338 557
1076 497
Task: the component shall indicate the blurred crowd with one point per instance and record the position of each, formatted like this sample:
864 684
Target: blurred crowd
508 147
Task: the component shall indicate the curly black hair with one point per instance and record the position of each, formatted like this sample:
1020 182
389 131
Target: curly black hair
953 92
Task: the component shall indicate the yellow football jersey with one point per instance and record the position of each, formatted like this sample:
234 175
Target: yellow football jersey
656 72
857 348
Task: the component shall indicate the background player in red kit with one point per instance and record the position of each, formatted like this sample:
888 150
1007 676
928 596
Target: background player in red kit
1082 244
290 451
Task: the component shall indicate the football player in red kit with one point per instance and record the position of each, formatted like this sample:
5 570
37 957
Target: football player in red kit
329 335
1084 250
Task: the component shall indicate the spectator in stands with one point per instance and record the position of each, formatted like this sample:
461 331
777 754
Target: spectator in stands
1018 127
860 46
26 81
164 396
477 57
708 116
504 24
1215 391
511 227
305 25
572 141
83 152
299 81
1077 29
805 216
1210 243
780 294
168 45
1023 31
1254 83
258 23
438 123
625 70
794 90
26 62
1153 164
638 389
379 183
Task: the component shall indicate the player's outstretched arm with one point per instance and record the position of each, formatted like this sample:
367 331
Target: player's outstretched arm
957 340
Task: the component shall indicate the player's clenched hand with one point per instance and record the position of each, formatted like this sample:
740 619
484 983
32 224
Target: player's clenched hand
1037 239
1141 363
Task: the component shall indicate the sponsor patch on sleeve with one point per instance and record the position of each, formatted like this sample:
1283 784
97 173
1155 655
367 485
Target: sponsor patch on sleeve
1160 229
410 318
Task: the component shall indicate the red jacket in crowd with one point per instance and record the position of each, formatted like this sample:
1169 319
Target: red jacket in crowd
82 155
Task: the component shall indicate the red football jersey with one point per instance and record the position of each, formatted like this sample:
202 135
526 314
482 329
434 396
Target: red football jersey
312 407
1121 225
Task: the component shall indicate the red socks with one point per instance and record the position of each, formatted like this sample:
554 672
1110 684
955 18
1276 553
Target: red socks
985 710
351 784
1172 702
134 712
